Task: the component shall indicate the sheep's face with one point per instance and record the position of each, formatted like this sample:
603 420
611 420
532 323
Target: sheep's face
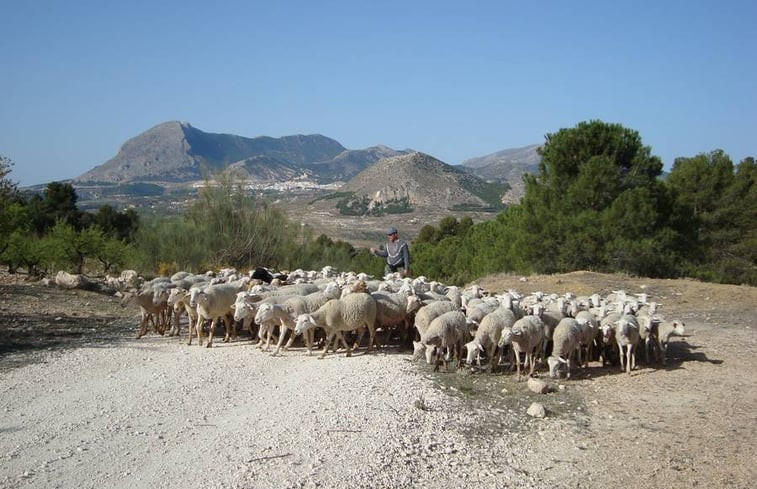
201 299
265 313
418 350
471 348
558 368
678 327
175 296
303 323
413 304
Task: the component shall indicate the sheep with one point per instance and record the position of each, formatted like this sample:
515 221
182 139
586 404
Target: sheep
354 312
609 345
214 302
477 312
665 330
148 310
447 331
550 314
245 307
527 336
648 334
163 289
178 300
566 338
269 315
397 309
428 312
589 331
627 335
293 307
488 335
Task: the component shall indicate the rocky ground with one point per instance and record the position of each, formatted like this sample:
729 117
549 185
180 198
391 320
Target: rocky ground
84 404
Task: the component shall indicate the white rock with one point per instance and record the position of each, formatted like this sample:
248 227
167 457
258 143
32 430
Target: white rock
536 410
538 386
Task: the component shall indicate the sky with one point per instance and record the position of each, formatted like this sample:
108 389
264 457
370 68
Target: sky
455 80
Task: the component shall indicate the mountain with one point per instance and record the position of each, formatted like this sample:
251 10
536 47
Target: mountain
177 152
507 166
418 180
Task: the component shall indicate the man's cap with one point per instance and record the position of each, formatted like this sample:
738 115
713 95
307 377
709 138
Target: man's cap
391 230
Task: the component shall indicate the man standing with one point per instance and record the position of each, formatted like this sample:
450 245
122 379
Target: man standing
397 253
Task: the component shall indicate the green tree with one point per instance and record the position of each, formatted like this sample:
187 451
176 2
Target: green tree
74 247
567 218
57 204
27 251
8 192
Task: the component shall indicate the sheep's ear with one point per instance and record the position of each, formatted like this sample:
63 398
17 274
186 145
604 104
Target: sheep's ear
233 306
480 347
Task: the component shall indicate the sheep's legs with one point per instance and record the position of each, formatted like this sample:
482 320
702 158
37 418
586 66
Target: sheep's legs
210 332
326 347
517 362
282 334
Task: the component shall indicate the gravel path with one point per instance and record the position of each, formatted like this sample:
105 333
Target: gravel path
156 413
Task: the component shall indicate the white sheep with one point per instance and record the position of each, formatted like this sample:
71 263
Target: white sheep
489 334
293 307
627 335
214 302
527 336
589 332
429 312
446 332
396 310
150 311
665 330
354 312
565 339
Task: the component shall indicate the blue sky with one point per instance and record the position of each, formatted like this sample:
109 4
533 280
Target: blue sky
455 80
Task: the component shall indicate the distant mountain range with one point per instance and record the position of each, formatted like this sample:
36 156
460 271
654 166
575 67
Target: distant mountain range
175 153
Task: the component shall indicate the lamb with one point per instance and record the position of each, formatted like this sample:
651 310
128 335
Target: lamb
447 331
293 307
354 312
527 336
566 338
429 312
665 330
489 334
627 335
149 310
178 300
245 307
214 302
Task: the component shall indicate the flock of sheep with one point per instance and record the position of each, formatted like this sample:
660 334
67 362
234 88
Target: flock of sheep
445 322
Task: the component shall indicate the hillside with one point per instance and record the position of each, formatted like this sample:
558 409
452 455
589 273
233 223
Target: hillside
422 181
